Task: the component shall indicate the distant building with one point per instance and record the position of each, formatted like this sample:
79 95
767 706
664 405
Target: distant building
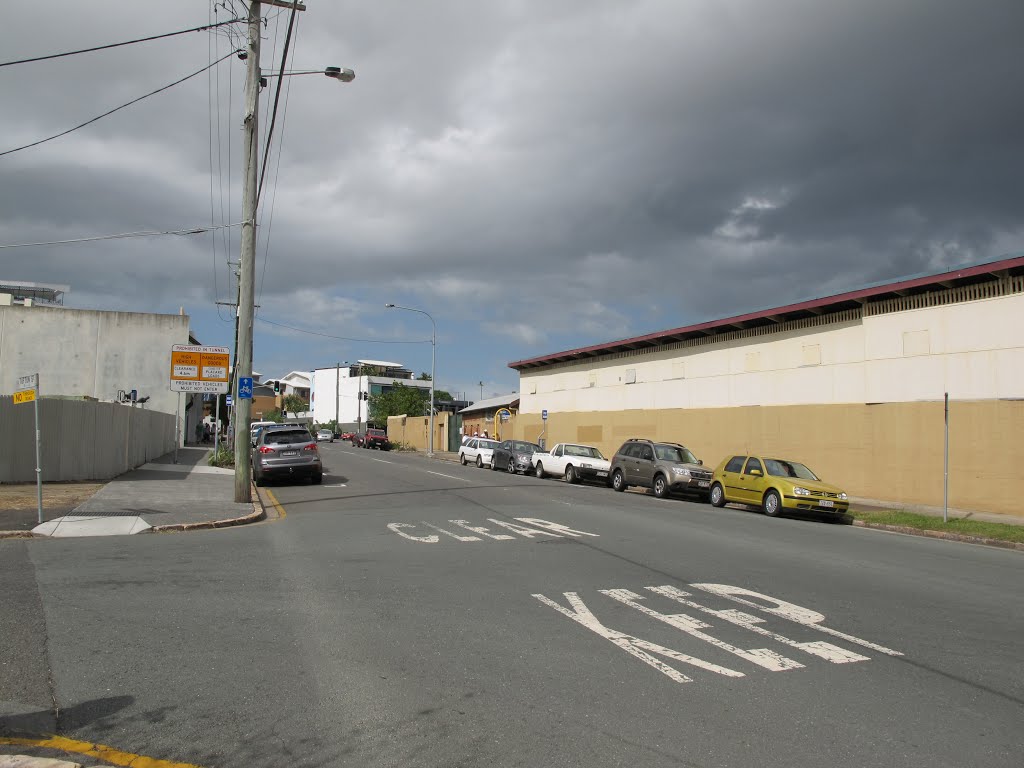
340 392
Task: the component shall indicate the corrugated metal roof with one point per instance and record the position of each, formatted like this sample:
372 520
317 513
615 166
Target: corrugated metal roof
838 302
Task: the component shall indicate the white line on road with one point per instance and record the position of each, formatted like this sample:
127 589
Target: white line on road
453 477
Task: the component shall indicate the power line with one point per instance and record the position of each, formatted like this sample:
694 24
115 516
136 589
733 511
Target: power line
340 338
117 45
126 235
115 109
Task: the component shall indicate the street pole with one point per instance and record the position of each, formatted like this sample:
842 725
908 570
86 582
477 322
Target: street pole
39 458
337 397
945 466
433 354
247 265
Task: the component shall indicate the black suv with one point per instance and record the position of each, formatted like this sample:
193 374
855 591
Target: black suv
663 467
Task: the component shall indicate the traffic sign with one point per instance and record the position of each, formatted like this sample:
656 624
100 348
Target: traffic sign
199 369
24 396
245 388
28 382
228 403
504 414
544 414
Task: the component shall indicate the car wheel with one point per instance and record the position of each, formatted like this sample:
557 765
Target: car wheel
570 475
660 486
480 463
494 467
618 481
317 479
717 497
511 465
772 504
462 459
539 470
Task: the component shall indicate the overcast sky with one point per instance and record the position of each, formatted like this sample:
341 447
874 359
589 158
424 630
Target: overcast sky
537 175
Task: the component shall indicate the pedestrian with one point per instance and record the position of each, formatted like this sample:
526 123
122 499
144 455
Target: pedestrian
199 432
206 432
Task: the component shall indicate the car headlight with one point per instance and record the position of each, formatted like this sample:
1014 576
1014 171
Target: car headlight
681 471
843 496
798 491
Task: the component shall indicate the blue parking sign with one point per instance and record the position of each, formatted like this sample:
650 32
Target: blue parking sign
245 388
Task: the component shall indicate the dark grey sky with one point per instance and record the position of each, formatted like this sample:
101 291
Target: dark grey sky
537 176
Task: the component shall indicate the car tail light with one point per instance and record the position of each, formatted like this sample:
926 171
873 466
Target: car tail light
266 449
311 447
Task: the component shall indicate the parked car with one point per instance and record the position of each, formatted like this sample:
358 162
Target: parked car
573 462
255 427
346 435
514 455
376 438
663 467
357 439
478 450
286 452
325 435
775 485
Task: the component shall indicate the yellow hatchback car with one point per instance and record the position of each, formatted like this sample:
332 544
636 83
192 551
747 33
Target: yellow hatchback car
775 485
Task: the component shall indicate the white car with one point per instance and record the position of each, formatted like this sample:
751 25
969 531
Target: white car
478 450
573 462
325 435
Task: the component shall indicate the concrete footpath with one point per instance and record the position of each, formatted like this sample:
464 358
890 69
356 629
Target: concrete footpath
159 496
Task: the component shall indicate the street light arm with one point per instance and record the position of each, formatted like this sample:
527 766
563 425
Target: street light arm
433 360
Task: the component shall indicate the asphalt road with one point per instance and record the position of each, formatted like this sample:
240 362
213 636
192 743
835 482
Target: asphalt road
577 627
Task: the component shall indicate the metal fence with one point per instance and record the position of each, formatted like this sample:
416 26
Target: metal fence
81 440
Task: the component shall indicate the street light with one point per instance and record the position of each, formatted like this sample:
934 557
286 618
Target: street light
433 351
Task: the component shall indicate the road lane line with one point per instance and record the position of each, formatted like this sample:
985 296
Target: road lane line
452 477
281 514
99 751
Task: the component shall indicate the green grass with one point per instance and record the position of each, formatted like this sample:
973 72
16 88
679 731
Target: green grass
966 527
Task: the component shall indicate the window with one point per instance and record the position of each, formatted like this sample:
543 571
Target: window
646 453
735 464
753 464
557 451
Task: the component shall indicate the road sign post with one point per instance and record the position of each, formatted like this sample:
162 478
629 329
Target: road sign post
194 369
28 392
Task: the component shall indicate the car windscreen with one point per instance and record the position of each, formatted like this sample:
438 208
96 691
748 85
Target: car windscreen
521 447
488 444
286 436
783 468
675 453
377 433
583 451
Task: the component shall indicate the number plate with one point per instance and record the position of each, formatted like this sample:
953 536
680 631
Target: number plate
602 474
703 483
826 503
289 453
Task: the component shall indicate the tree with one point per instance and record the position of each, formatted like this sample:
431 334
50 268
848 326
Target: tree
425 376
295 404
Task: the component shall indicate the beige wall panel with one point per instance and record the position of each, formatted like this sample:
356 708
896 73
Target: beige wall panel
891 451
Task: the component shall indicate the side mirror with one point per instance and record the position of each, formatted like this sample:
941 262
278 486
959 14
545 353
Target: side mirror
700 463
755 473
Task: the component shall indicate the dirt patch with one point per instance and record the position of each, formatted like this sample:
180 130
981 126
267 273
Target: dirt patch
18 509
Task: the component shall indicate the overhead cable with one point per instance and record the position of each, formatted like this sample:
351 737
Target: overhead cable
125 235
340 338
117 45
115 109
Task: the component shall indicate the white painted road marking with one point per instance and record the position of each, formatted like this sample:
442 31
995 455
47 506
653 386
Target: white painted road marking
536 528
819 648
634 645
762 657
789 611
452 477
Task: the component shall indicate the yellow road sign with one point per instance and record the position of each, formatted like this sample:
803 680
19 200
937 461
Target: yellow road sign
24 396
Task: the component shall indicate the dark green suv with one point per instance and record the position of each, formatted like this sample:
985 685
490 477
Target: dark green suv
662 467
